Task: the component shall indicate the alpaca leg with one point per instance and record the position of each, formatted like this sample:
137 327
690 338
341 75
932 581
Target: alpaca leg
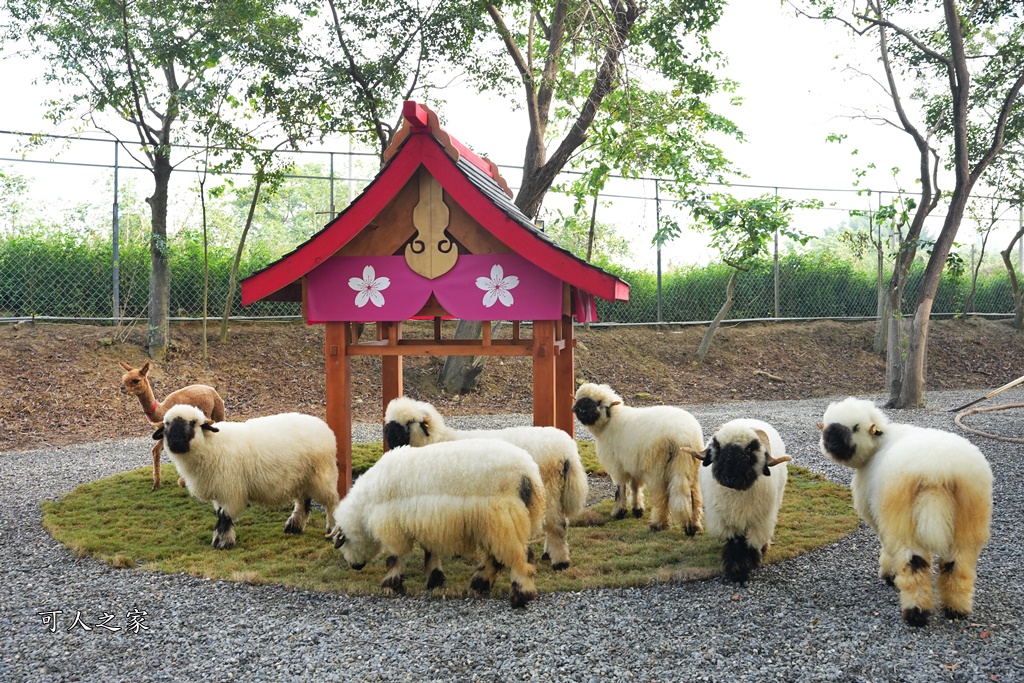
956 584
297 522
914 581
224 532
157 449
659 507
432 567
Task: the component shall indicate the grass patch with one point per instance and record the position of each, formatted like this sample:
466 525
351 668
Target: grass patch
120 521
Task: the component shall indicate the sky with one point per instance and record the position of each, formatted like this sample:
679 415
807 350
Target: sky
795 93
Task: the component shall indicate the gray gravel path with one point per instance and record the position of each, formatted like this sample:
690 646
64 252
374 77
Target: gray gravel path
821 617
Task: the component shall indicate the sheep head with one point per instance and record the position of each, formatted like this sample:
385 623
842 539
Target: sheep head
179 428
738 454
408 422
135 380
593 404
356 546
851 431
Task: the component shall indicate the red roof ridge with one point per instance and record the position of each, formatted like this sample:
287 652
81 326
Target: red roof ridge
419 119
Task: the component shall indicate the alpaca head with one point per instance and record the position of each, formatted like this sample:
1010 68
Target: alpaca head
135 381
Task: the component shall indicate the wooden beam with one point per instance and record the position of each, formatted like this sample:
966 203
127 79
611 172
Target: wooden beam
390 371
448 347
485 329
565 378
339 398
544 373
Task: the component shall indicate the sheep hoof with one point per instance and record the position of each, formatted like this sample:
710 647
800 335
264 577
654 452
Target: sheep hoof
222 543
395 584
546 557
435 580
529 555
292 528
638 512
915 616
691 529
181 482
619 514
480 585
890 580
156 486
658 526
954 614
518 598
560 566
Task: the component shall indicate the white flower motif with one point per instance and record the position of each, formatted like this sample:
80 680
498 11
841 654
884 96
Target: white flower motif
497 286
369 287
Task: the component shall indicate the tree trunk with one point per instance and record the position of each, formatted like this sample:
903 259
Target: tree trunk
1007 254
233 280
705 343
460 374
159 280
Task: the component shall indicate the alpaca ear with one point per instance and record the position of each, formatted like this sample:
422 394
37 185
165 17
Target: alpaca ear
144 370
125 365
159 433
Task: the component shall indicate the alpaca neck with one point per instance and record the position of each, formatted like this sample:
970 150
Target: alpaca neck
149 405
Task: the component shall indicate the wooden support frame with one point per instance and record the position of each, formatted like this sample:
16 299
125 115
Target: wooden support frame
339 397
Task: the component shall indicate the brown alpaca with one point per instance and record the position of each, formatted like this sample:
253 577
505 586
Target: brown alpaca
136 383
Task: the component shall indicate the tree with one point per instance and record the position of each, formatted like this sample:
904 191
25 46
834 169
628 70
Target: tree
153 66
966 61
602 244
741 230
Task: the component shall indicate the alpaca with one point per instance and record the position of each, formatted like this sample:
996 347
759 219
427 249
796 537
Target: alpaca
136 383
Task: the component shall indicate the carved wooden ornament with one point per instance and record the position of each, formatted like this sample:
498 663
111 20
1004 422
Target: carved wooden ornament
431 253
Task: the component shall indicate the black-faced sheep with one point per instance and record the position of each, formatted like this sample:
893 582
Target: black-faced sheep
743 480
646 446
417 423
925 492
453 498
266 461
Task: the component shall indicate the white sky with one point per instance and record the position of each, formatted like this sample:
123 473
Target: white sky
795 92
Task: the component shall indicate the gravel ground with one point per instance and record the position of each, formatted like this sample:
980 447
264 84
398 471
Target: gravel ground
821 617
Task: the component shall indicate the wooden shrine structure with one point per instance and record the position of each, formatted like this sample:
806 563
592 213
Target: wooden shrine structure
434 236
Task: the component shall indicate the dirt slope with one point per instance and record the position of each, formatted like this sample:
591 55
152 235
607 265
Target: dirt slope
59 384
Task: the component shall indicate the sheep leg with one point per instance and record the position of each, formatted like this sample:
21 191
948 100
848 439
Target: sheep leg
659 507
914 580
297 522
619 509
224 532
157 449
739 559
524 588
556 547
483 578
393 579
432 567
886 568
956 584
638 497
328 497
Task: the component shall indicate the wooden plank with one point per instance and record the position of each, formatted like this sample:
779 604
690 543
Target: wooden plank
565 379
485 330
544 373
390 229
339 398
431 253
470 234
445 349
391 372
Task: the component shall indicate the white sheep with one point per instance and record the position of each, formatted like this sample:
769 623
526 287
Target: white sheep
743 480
417 423
453 499
925 492
646 446
267 461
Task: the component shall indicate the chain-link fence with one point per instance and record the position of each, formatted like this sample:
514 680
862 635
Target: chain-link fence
74 244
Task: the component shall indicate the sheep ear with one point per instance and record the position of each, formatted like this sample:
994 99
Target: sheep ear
208 427
874 431
763 438
340 541
159 433
615 403
125 365
821 427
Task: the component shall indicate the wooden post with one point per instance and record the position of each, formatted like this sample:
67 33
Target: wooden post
565 379
390 370
544 373
339 397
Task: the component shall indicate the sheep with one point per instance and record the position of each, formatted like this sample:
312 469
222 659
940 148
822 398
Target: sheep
924 492
265 461
417 423
136 382
451 498
743 479
639 446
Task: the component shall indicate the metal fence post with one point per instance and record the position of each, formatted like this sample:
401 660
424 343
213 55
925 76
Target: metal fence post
776 265
657 227
332 187
117 252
